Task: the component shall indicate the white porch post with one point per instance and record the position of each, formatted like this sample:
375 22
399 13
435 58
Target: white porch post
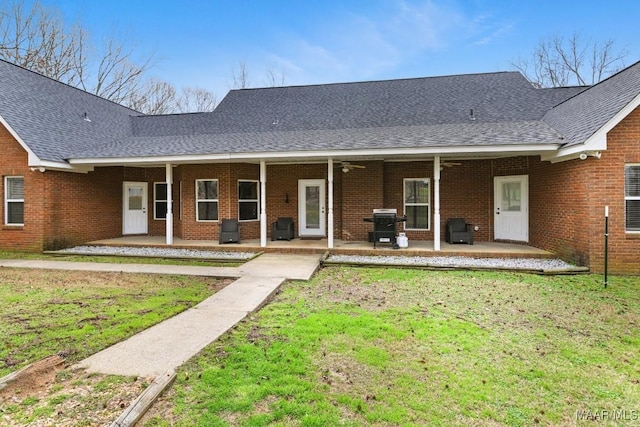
263 204
436 203
169 219
330 219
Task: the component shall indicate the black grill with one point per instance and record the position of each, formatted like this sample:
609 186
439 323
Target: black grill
384 226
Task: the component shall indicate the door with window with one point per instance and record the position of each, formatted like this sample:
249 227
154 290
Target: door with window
135 220
311 207
511 208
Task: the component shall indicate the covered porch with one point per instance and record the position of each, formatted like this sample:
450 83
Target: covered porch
343 247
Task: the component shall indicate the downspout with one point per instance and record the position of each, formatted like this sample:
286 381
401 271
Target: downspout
436 203
263 204
330 219
169 219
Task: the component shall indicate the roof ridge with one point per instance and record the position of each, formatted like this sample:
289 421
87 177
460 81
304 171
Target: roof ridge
374 81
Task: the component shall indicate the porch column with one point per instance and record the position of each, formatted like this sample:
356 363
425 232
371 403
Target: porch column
263 204
169 219
330 219
436 203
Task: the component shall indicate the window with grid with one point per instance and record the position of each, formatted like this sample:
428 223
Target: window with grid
632 197
248 204
14 200
160 200
416 203
206 200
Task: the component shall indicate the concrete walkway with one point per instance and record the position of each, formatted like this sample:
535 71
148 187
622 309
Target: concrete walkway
172 342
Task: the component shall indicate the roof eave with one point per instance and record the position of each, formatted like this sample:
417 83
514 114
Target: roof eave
292 156
596 142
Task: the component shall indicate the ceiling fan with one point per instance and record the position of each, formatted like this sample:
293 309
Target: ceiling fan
347 167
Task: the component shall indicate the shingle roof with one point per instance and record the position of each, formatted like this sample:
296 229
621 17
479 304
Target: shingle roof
579 117
49 115
494 98
405 113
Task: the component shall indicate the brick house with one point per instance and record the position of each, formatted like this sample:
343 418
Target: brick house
536 166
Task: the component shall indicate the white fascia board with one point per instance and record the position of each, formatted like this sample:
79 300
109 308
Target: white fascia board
597 141
311 155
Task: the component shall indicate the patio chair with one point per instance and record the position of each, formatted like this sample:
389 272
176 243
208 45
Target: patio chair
282 229
458 231
229 231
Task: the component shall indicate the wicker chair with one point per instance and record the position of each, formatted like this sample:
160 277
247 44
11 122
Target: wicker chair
282 229
458 231
229 231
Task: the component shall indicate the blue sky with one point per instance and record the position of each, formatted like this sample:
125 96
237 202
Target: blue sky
198 43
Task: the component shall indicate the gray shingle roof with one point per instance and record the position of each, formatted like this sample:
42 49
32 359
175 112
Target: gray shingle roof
49 115
579 117
405 113
470 134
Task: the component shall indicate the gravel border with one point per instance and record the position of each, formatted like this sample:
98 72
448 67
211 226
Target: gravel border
157 252
526 264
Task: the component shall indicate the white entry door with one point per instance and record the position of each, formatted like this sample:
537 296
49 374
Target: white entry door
134 217
311 204
511 208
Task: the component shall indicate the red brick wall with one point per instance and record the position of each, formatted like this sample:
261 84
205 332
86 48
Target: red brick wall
607 188
558 208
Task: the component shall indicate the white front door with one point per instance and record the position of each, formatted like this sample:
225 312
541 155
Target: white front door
311 204
134 217
511 208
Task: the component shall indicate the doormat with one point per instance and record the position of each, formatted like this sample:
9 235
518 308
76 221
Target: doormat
310 238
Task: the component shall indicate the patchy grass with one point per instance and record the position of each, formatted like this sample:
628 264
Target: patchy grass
78 313
75 314
376 346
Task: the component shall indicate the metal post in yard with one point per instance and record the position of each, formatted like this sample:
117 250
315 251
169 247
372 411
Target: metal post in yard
606 244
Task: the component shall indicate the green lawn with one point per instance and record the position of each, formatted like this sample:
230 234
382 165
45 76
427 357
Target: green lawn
374 346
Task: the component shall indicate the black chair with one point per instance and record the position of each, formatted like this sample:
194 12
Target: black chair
282 229
458 231
229 231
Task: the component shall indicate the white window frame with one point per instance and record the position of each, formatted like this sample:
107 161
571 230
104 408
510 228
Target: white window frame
628 198
156 200
207 200
7 200
256 201
427 204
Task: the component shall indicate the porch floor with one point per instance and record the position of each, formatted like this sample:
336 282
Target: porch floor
343 247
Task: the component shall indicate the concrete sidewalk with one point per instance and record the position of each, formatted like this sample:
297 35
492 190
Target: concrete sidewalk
172 342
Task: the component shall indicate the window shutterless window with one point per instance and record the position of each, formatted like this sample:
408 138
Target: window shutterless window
160 200
206 200
632 198
416 203
14 200
248 205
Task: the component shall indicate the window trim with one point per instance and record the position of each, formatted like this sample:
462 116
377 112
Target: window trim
156 200
207 200
626 198
256 201
427 204
7 201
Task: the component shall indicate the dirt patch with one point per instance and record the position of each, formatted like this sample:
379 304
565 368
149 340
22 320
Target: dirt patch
33 379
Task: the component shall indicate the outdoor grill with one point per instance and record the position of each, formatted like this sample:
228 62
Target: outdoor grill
384 226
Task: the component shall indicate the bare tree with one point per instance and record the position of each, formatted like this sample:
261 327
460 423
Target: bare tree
155 97
557 61
240 76
36 38
275 79
196 99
